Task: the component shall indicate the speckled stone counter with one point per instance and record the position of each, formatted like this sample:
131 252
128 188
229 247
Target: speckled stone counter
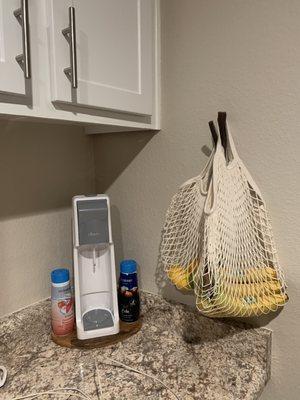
197 357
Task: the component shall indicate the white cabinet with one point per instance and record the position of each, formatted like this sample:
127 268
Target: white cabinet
12 40
114 53
112 45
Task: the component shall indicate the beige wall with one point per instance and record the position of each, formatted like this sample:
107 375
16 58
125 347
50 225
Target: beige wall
41 167
238 56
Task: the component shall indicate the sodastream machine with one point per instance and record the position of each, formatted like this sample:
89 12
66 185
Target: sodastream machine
96 301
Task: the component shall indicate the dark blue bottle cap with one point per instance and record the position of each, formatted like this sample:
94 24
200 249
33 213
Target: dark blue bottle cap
60 275
128 266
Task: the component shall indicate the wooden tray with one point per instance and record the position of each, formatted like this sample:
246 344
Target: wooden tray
71 341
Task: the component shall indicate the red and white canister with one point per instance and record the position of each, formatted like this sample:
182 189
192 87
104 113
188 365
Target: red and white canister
62 304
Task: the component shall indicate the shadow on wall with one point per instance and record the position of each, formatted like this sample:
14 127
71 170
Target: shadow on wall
114 152
117 236
42 166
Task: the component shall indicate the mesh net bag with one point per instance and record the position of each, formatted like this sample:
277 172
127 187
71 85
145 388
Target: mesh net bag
238 273
182 234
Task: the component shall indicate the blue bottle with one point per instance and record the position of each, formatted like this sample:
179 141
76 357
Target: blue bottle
128 294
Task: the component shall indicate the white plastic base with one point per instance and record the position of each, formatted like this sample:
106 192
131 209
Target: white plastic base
82 334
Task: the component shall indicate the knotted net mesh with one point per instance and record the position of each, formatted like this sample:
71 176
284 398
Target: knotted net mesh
182 234
240 274
227 253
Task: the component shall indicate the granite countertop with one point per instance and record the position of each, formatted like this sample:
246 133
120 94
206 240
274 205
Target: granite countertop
199 358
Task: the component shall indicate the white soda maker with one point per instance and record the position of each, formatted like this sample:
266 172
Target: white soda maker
96 300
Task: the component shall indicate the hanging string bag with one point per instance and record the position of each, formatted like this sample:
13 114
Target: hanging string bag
238 273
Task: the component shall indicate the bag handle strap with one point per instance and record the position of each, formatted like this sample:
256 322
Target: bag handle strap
203 176
205 181
209 204
214 134
222 119
227 141
234 158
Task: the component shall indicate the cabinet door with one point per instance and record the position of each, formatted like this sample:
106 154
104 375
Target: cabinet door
115 52
12 80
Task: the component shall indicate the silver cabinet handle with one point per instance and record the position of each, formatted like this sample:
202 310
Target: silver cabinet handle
70 35
23 18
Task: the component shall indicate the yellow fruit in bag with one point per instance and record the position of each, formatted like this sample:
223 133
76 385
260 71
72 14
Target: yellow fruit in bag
260 274
178 277
244 289
181 277
252 275
251 305
245 306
